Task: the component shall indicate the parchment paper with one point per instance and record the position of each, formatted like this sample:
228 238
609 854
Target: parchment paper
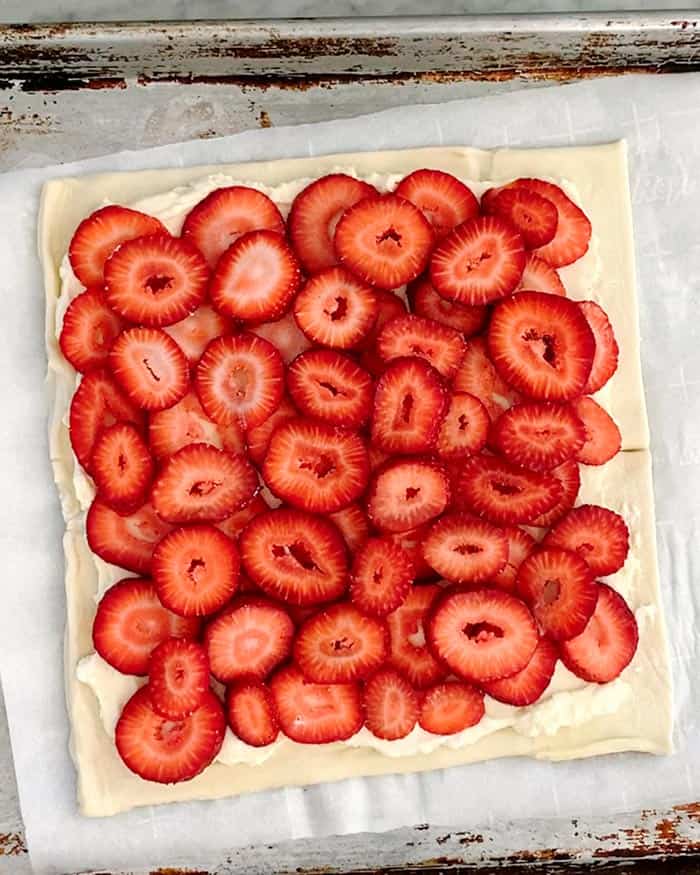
660 117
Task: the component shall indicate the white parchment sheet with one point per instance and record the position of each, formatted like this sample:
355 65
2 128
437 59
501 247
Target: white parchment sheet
660 117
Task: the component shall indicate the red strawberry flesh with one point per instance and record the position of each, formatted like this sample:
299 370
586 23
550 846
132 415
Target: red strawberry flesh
406 493
178 677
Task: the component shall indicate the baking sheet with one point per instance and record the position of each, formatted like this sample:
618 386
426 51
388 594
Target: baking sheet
657 116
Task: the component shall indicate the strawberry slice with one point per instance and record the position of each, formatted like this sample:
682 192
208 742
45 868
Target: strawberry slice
335 308
479 262
150 367
465 549
310 713
340 644
195 332
315 213
538 434
560 590
186 423
381 577
465 428
606 348
124 540
539 276
259 436
598 535
376 456
240 379
285 335
541 345
155 280
250 710
409 402
520 546
385 240
389 306
195 570
202 484
178 677
411 542
122 467
527 686
406 493
249 639
316 467
167 751
130 623
502 493
96 238
224 215
408 651
442 198
391 705
450 707
440 346
482 634
603 438
429 304
233 525
331 386
295 556
607 644
98 403
353 525
533 216
477 376
88 331
256 278
569 477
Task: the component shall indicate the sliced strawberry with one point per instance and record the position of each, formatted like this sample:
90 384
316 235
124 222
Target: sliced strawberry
569 477
195 570
340 644
150 367
482 634
541 345
376 456
96 238
598 535
606 348
389 306
178 677
409 402
539 276
353 525
250 710
607 644
259 436
240 379
440 346
520 546
442 198
331 386
126 541
408 651
429 304
381 577
465 428
391 705
502 493
316 467
560 590
526 686
202 484
477 376
130 623
385 240
538 434
315 213
256 278
533 216
167 751
224 214
479 262
285 335
195 332
603 438
233 525
295 556
88 331
186 423
451 707
122 467
406 493
411 542
155 280
465 549
249 639
311 713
